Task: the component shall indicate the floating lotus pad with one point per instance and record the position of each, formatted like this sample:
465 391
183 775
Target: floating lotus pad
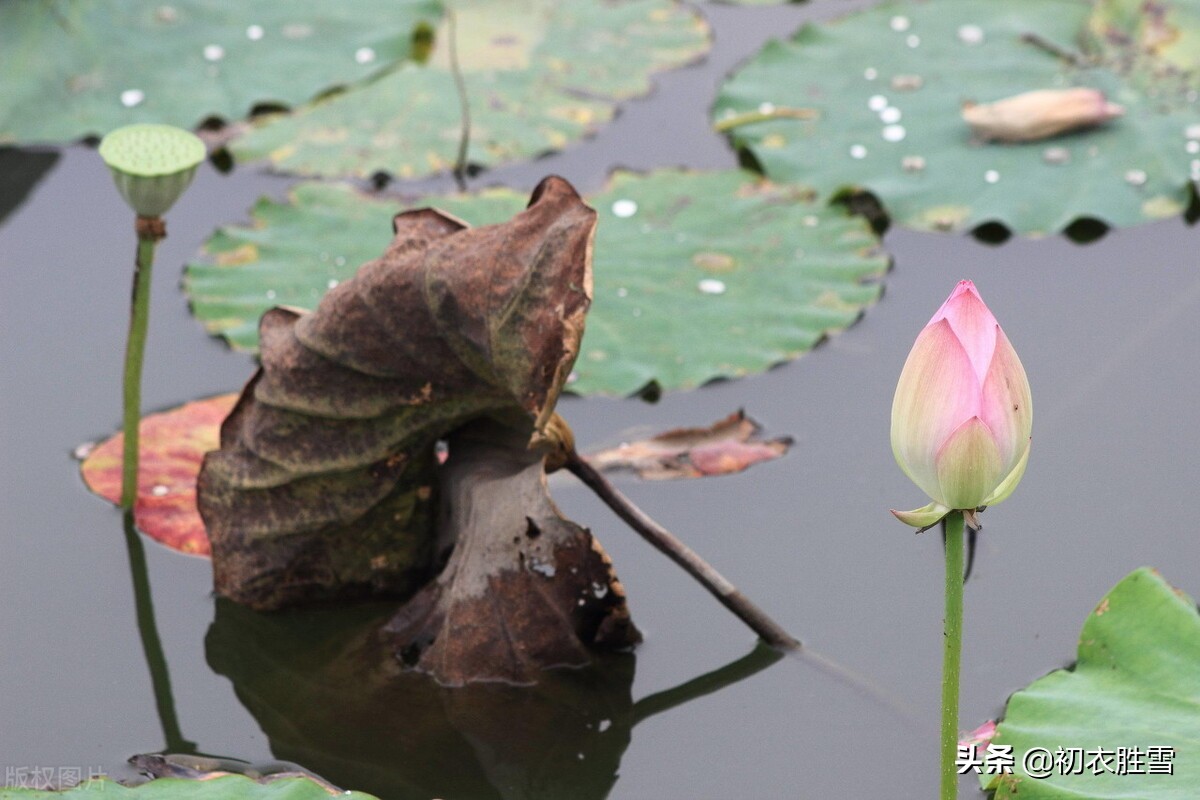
888 84
86 68
1134 685
697 275
539 74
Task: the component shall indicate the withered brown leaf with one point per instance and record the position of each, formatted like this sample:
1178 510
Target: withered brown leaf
728 445
326 483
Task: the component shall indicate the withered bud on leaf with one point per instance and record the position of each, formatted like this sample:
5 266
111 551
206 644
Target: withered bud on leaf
1040 114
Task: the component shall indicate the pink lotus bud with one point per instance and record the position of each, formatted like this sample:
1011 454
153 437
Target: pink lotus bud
962 414
1040 114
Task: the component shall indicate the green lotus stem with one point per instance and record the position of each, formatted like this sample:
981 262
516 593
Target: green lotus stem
752 117
952 653
152 165
135 347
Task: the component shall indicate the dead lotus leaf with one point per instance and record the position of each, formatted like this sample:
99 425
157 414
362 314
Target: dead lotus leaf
728 445
524 589
326 482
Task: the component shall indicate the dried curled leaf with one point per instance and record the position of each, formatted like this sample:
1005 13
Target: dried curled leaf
728 445
524 589
1041 114
323 485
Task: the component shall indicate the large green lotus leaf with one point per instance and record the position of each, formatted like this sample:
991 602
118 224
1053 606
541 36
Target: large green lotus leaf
1136 684
697 275
85 67
888 84
222 787
538 73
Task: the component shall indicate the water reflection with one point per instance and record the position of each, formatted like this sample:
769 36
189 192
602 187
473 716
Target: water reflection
328 698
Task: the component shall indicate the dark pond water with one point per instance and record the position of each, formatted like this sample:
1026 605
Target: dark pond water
1109 336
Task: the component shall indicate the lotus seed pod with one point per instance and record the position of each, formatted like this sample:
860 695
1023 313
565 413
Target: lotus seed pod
1040 114
152 164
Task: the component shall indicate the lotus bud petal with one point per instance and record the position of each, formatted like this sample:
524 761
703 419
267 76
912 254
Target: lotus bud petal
924 517
1040 114
152 164
962 414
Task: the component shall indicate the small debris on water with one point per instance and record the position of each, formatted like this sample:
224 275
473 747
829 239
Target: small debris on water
912 163
991 176
894 133
857 151
1135 177
132 97
900 24
213 52
711 286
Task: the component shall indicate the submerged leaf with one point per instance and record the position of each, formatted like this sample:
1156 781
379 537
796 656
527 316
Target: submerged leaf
728 445
698 274
1134 687
172 445
889 82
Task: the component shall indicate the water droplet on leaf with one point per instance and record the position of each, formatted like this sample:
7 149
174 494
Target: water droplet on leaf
624 208
970 34
1056 155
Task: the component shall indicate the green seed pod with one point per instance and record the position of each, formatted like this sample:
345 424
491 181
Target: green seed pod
152 164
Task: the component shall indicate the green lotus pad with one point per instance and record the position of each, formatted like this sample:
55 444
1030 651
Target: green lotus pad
697 275
538 74
887 86
86 68
1134 688
224 787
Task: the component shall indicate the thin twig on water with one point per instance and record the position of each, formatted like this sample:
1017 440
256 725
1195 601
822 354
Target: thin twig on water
768 629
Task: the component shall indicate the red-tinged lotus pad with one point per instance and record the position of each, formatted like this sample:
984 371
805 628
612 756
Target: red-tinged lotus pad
173 444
